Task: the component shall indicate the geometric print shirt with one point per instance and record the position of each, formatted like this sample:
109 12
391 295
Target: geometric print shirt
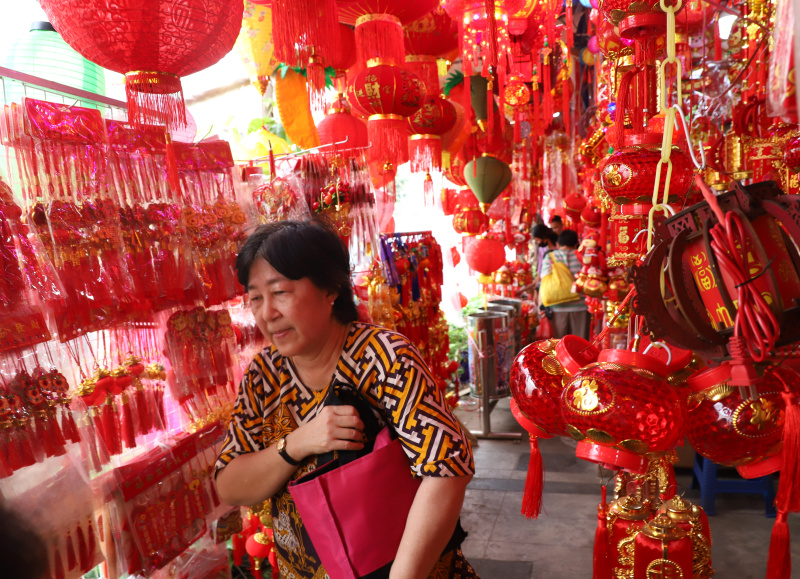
389 373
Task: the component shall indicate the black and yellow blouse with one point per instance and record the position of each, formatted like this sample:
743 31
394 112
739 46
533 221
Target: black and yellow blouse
389 373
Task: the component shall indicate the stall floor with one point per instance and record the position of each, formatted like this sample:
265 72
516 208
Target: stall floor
502 544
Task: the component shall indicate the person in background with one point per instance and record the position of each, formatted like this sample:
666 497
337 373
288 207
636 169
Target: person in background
297 278
557 225
544 241
570 317
23 553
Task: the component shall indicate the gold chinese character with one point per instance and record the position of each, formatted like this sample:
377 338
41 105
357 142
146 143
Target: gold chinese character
623 237
765 413
585 397
698 259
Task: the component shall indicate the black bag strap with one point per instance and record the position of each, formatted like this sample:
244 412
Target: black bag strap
341 394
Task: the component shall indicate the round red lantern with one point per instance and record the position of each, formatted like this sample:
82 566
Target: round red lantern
590 216
344 59
516 93
470 221
435 34
388 94
732 431
537 380
340 125
434 118
455 171
627 175
621 408
573 205
151 52
485 255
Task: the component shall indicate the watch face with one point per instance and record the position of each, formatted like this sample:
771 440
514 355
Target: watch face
281 444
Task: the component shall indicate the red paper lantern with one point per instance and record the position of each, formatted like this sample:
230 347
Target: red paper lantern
537 380
591 216
470 221
455 172
485 255
625 404
339 124
344 59
434 118
627 175
573 205
729 430
133 37
434 34
388 94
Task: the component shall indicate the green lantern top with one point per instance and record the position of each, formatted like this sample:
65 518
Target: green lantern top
42 52
487 177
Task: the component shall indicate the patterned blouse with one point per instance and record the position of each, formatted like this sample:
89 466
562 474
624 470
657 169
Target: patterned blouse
389 373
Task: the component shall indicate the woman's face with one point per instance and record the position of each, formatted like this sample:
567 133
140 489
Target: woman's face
295 315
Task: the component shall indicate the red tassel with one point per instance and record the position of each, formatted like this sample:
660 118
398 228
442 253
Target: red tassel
72 562
12 446
532 497
92 546
155 98
315 21
46 437
57 434
779 563
273 562
58 571
145 422
389 137
601 568
5 467
427 190
83 557
101 444
315 75
69 426
380 36
491 35
717 41
238 549
173 177
111 427
788 497
256 572
128 434
25 446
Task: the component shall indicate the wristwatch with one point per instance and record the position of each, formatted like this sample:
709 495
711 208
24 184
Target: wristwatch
284 454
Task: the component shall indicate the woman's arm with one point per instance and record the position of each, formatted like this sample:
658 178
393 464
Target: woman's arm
430 525
255 476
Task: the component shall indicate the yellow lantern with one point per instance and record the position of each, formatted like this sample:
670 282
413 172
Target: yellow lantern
255 44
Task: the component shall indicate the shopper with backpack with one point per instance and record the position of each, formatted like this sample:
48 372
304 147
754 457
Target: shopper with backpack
570 315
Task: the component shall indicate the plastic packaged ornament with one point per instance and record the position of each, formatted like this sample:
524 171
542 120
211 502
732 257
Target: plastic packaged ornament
621 409
734 431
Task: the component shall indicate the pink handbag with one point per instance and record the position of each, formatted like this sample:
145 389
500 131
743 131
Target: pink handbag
355 514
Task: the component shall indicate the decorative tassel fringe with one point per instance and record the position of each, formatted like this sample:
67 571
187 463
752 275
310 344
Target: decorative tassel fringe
145 422
128 432
301 28
111 427
491 35
425 152
47 439
29 452
490 110
788 496
83 554
532 496
779 562
72 562
601 567
58 570
68 425
565 102
155 98
12 445
426 70
389 137
315 75
173 177
380 36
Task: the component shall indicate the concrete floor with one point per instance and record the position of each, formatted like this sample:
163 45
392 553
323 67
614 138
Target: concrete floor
502 544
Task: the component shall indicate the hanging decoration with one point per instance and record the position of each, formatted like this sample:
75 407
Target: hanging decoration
255 45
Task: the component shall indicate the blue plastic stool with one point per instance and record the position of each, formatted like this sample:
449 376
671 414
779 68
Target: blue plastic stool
705 476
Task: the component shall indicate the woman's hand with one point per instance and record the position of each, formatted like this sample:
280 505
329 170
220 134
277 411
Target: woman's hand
334 428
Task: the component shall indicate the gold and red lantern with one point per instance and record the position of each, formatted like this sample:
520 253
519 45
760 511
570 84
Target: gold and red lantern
152 53
434 118
470 221
627 222
388 94
621 408
662 549
626 517
426 39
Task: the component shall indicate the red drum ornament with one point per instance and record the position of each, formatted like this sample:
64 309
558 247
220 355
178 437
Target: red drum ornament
470 221
662 549
537 380
389 94
627 222
151 42
434 118
732 431
626 517
485 255
621 408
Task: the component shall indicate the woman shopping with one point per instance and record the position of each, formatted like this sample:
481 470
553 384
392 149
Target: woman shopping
298 282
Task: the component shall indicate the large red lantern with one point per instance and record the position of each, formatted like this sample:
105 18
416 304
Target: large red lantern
733 431
388 94
152 42
628 175
340 125
434 118
426 39
622 408
485 255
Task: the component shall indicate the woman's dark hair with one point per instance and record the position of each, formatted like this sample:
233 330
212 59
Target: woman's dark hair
299 249
541 231
23 553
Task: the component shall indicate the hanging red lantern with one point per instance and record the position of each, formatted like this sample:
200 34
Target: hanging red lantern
537 380
485 255
621 408
636 21
454 171
591 217
470 221
574 204
389 94
340 125
426 39
732 431
153 53
627 175
516 93
434 118
343 60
